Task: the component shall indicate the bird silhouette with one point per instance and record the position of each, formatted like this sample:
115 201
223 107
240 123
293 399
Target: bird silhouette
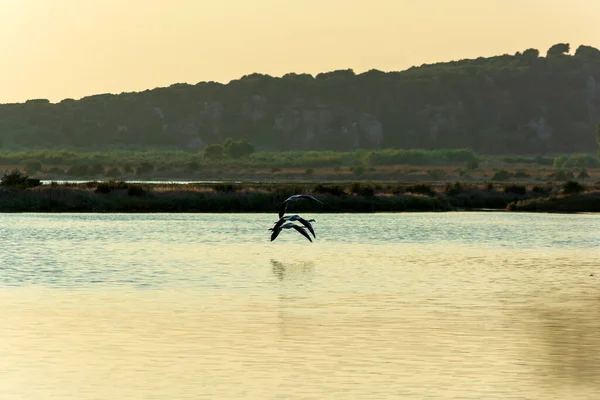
298 218
289 225
296 197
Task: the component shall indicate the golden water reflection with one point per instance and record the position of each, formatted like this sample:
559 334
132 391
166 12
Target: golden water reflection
298 344
350 321
566 333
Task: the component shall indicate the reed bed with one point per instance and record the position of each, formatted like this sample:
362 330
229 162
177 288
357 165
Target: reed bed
120 196
564 203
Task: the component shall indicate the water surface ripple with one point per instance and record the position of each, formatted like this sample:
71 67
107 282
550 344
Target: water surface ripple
194 306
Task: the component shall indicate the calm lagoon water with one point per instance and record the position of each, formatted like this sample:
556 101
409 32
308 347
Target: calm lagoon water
194 306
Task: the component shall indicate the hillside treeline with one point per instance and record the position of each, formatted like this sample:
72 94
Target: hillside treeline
524 103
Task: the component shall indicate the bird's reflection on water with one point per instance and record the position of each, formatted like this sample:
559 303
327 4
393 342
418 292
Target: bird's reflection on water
289 270
294 277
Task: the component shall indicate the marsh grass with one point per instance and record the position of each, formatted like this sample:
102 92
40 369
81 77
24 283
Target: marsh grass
362 189
136 190
117 197
581 202
333 189
120 196
421 188
452 189
542 189
515 188
226 187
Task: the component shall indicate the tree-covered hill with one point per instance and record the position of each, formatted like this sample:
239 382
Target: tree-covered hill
523 103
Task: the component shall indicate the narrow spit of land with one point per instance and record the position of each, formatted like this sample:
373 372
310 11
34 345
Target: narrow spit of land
348 197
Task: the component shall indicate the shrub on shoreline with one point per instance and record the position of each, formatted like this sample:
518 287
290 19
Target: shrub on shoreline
16 179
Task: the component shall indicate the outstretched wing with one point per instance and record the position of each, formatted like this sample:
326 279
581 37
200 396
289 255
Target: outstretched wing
302 231
282 208
275 233
278 224
309 197
283 205
307 224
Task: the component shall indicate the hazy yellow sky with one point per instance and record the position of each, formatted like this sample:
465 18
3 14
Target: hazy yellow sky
56 49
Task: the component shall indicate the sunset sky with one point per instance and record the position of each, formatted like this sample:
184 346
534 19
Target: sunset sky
58 49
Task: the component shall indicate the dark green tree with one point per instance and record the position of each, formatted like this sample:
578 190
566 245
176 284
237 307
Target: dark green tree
144 168
238 148
96 169
587 52
79 170
531 54
14 178
340 73
558 49
33 166
598 139
17 179
214 152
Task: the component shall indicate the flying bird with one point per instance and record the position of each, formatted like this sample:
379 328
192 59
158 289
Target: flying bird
298 218
289 225
283 205
309 220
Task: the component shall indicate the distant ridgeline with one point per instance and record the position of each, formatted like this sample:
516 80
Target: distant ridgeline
518 104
